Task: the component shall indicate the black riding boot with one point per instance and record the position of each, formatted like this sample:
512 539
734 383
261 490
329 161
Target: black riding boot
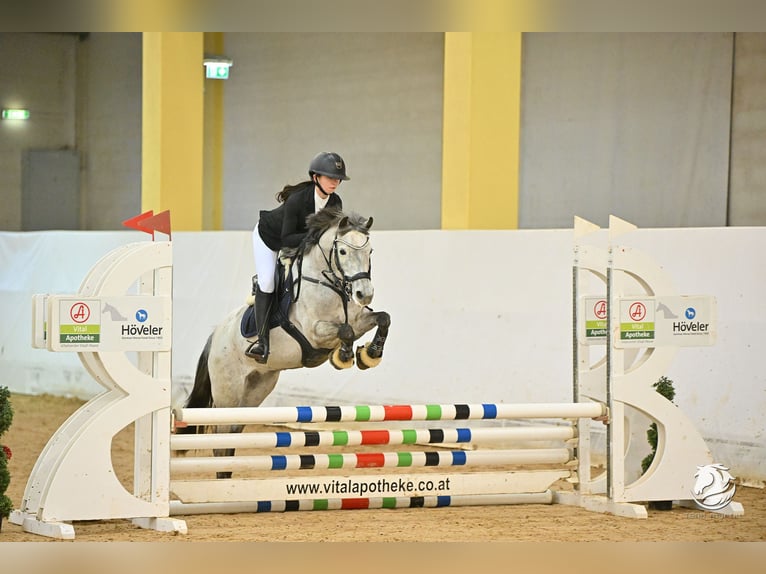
260 349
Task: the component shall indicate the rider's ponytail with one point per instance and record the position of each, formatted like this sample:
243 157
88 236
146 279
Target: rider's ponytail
288 190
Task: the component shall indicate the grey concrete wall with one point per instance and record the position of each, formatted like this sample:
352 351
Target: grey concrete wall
109 134
747 185
37 72
633 124
374 98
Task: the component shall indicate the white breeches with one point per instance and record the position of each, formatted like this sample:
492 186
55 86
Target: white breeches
265 263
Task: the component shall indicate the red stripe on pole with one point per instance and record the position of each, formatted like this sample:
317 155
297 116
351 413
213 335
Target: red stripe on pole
370 460
398 412
375 437
354 503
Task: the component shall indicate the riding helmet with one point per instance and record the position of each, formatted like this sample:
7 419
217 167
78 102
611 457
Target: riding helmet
329 164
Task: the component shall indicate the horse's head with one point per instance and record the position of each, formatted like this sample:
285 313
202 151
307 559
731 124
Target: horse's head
344 241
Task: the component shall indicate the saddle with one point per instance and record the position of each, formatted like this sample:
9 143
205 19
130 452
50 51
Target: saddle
279 316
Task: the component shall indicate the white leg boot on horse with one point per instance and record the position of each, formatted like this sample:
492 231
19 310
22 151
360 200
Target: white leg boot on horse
259 350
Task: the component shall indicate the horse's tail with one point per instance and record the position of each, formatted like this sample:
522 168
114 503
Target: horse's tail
201 395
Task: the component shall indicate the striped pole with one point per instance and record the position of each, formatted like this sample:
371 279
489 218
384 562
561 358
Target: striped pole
369 437
370 460
180 508
376 413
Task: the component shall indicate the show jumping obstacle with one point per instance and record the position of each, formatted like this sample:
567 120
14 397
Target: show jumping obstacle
73 478
464 488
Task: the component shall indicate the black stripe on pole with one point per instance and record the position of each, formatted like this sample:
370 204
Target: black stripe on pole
435 435
462 411
307 461
311 438
333 414
432 458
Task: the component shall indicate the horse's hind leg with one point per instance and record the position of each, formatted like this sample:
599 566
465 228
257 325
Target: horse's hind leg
226 451
258 386
371 354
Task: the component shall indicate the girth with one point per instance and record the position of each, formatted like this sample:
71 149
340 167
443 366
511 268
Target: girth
279 317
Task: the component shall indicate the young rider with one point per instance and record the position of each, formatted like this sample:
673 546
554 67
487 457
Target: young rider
285 226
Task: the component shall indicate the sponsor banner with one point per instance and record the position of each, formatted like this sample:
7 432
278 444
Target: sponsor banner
592 320
650 321
636 322
125 323
680 321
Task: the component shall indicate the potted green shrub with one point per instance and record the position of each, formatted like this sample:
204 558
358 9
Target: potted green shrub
6 416
664 386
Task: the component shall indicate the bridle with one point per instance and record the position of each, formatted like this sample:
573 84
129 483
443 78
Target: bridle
334 277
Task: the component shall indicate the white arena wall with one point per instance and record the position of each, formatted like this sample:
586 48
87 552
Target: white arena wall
477 316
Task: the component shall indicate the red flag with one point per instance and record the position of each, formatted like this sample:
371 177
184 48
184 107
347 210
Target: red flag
149 223
159 222
135 222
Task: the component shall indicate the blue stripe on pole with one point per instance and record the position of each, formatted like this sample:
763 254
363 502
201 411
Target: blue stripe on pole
305 414
278 462
463 435
264 506
458 458
490 411
283 439
443 500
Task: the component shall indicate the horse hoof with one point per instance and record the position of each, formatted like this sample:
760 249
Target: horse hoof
363 359
337 362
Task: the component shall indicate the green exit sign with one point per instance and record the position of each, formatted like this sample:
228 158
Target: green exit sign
15 114
217 69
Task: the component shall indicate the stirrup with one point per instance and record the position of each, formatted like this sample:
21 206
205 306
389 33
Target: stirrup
259 356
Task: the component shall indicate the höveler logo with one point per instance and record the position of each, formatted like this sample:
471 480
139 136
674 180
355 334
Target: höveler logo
714 487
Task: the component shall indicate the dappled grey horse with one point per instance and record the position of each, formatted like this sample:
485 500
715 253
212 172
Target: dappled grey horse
325 289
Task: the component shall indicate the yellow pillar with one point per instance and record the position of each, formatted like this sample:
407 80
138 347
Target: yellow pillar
212 196
172 127
480 153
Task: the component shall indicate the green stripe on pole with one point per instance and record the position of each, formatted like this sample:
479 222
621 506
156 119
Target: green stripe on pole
362 413
339 438
433 412
409 436
404 459
389 502
321 504
335 461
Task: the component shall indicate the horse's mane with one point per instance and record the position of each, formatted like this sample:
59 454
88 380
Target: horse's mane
318 223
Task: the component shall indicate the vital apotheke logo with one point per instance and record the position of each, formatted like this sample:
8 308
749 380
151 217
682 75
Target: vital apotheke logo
84 329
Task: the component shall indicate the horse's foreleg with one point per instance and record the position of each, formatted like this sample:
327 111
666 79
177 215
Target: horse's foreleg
343 356
371 354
